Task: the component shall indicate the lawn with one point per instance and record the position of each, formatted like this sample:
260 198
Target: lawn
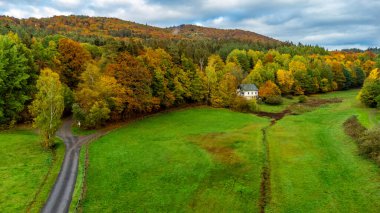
315 166
27 171
190 160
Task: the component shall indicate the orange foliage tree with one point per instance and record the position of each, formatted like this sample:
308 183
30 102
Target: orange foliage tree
269 90
73 58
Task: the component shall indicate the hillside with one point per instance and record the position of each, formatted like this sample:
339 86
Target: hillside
193 31
113 27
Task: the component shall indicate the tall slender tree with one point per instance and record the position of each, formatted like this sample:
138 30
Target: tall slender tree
47 107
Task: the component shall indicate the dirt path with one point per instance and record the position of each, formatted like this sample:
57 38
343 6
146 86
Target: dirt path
265 185
60 197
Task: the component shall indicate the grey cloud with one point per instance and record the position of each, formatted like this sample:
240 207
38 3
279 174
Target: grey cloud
336 24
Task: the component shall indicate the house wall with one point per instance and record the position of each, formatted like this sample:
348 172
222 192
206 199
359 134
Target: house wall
249 94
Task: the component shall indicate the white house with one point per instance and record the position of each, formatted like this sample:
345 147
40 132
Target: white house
248 91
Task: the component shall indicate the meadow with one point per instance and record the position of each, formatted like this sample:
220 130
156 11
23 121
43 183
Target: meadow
190 160
27 171
315 166
206 159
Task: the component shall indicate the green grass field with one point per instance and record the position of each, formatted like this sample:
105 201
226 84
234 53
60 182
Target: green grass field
25 184
210 160
190 160
314 165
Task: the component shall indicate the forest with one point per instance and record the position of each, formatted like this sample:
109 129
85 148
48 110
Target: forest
109 77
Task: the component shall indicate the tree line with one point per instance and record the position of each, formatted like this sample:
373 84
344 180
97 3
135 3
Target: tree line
107 83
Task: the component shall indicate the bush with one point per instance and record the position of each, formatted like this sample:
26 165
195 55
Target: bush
353 127
370 92
273 100
240 104
253 105
302 98
243 105
369 144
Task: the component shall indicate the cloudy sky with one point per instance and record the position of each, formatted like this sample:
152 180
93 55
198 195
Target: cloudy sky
333 24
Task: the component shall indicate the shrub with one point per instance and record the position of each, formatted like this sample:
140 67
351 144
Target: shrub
353 127
369 144
370 92
240 104
302 98
253 105
273 100
368 140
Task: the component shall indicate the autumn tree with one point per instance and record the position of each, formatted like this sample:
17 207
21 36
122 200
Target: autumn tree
48 105
226 91
159 64
73 58
285 80
197 86
301 78
270 93
97 96
213 72
370 93
136 80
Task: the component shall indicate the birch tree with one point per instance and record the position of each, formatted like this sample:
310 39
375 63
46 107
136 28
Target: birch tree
48 105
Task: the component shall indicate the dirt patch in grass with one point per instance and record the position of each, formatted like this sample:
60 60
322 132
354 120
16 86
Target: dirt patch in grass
274 115
219 145
311 104
317 102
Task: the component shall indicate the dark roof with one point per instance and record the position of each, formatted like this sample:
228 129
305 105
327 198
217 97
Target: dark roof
248 87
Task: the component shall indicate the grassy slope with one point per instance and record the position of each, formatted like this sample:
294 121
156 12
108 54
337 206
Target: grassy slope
190 160
23 171
315 167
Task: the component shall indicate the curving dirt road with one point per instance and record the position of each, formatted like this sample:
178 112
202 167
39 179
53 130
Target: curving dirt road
60 197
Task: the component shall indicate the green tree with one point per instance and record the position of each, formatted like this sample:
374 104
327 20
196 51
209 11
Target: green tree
254 77
17 78
240 57
48 105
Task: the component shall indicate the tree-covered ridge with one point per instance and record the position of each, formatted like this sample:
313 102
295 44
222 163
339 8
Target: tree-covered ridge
113 27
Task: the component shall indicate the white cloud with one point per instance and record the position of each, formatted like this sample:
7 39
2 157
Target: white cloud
36 12
226 4
323 37
198 24
218 20
138 10
333 24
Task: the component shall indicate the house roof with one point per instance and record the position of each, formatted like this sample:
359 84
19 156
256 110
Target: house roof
248 87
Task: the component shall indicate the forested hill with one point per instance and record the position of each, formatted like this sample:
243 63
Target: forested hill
113 27
191 31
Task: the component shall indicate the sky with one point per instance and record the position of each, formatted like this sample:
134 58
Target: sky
333 24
